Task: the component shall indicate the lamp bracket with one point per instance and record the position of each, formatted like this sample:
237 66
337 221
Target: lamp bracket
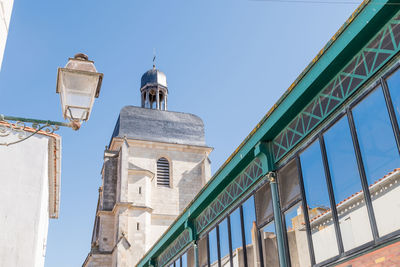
17 126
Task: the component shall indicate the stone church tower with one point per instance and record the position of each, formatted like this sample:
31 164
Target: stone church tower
157 161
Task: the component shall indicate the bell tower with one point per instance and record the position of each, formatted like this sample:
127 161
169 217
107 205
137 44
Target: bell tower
154 89
155 164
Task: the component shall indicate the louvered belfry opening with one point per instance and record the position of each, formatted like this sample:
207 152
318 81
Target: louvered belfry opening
163 172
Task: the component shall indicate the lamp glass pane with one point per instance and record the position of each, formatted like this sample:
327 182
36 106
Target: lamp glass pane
77 91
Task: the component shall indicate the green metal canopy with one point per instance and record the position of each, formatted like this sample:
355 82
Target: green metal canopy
360 38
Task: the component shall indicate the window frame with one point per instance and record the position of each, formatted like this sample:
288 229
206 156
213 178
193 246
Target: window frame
178 257
300 200
238 206
345 109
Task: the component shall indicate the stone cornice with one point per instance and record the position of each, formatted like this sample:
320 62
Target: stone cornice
144 172
128 205
117 141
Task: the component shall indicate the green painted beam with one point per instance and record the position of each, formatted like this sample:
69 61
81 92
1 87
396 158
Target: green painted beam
373 16
46 122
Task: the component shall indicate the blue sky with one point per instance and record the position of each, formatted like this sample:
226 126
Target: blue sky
226 61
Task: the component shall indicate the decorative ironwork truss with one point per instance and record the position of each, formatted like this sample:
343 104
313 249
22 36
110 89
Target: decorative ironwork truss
232 192
376 53
172 250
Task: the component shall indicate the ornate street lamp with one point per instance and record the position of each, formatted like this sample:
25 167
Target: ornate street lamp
78 84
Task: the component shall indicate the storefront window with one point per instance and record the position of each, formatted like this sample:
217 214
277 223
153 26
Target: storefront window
184 260
290 195
250 227
269 245
236 230
224 243
212 241
297 237
320 215
375 135
265 216
380 156
350 204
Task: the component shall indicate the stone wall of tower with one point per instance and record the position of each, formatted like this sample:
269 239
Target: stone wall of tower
133 210
189 171
109 174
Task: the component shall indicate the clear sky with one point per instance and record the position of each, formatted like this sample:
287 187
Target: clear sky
227 61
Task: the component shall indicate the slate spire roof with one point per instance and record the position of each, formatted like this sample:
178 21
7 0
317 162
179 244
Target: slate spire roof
159 126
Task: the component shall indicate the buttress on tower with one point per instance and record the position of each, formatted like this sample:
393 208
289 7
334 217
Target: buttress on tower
155 164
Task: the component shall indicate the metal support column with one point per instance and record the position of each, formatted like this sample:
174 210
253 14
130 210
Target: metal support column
196 254
263 152
278 219
189 224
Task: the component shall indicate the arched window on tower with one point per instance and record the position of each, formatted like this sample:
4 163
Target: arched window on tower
163 172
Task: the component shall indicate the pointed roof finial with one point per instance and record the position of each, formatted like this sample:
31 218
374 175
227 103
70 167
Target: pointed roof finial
154 58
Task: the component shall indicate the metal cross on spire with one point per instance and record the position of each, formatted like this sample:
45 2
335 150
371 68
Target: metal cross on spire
154 58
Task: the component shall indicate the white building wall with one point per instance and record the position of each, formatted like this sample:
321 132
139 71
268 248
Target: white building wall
384 205
43 218
354 221
5 16
24 194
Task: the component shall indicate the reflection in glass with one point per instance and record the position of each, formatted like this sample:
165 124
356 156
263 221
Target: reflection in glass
375 135
203 255
184 260
289 189
269 245
236 230
250 228
321 222
212 242
380 156
297 237
353 215
224 243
